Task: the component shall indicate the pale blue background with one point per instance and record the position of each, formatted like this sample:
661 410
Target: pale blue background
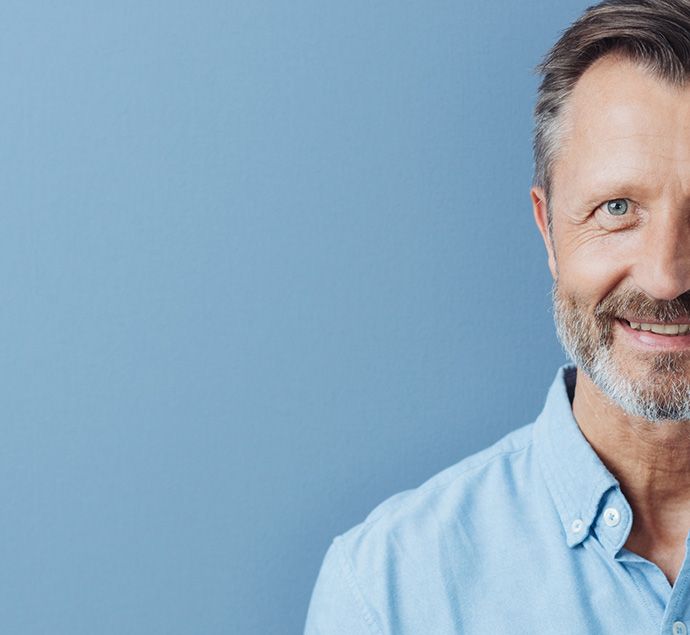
264 264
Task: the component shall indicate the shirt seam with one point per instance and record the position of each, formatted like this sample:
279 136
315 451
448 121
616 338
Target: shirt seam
422 489
348 570
554 489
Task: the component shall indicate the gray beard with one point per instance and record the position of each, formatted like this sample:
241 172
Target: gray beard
660 394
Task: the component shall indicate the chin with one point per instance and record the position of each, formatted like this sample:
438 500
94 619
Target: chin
655 387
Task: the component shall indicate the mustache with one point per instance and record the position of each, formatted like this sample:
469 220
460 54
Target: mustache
639 304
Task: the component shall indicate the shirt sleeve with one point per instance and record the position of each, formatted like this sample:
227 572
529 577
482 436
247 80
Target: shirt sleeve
337 606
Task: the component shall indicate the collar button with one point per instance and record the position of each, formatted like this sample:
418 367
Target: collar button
612 516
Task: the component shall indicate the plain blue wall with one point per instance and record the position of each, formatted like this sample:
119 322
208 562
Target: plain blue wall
264 264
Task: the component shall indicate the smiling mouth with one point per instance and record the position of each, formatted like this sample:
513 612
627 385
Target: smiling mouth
671 330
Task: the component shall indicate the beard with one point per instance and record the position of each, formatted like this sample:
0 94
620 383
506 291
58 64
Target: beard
652 385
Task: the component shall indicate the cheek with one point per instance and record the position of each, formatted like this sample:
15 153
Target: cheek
591 266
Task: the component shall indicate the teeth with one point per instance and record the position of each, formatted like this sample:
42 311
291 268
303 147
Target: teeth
662 329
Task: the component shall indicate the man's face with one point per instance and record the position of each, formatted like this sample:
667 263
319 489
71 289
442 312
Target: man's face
620 255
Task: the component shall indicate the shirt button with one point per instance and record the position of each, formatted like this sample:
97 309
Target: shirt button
612 517
679 628
577 526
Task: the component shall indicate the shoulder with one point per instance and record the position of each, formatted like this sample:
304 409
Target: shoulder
458 488
462 517
412 546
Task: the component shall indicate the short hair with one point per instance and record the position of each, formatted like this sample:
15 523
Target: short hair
653 33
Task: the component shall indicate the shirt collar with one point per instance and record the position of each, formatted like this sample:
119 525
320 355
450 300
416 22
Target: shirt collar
574 474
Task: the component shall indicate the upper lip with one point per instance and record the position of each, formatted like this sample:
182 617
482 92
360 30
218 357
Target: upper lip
645 320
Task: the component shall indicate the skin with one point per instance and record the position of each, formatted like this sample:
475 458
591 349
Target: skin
628 136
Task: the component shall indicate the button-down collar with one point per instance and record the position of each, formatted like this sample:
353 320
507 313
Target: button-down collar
586 494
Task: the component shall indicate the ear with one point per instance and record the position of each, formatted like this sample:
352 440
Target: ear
539 205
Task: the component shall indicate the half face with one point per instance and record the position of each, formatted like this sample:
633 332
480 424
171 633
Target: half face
620 245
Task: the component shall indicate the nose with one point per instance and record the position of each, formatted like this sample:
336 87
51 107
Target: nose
663 266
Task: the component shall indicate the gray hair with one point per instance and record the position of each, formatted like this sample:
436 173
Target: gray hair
653 33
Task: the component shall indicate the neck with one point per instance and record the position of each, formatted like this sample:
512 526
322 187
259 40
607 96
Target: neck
651 462
646 456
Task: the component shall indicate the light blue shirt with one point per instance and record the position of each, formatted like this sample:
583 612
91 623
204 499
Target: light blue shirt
524 537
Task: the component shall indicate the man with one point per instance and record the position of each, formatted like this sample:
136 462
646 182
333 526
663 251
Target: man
577 523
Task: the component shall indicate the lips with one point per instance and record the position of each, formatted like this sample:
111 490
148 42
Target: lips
649 340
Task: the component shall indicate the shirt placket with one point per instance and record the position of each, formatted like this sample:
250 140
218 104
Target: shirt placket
677 615
612 527
668 604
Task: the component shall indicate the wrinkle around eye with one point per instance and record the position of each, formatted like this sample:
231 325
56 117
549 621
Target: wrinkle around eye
578 217
582 238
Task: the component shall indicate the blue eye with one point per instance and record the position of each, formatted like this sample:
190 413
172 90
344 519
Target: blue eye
617 207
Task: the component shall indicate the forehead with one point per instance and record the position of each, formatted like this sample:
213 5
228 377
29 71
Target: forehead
623 124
